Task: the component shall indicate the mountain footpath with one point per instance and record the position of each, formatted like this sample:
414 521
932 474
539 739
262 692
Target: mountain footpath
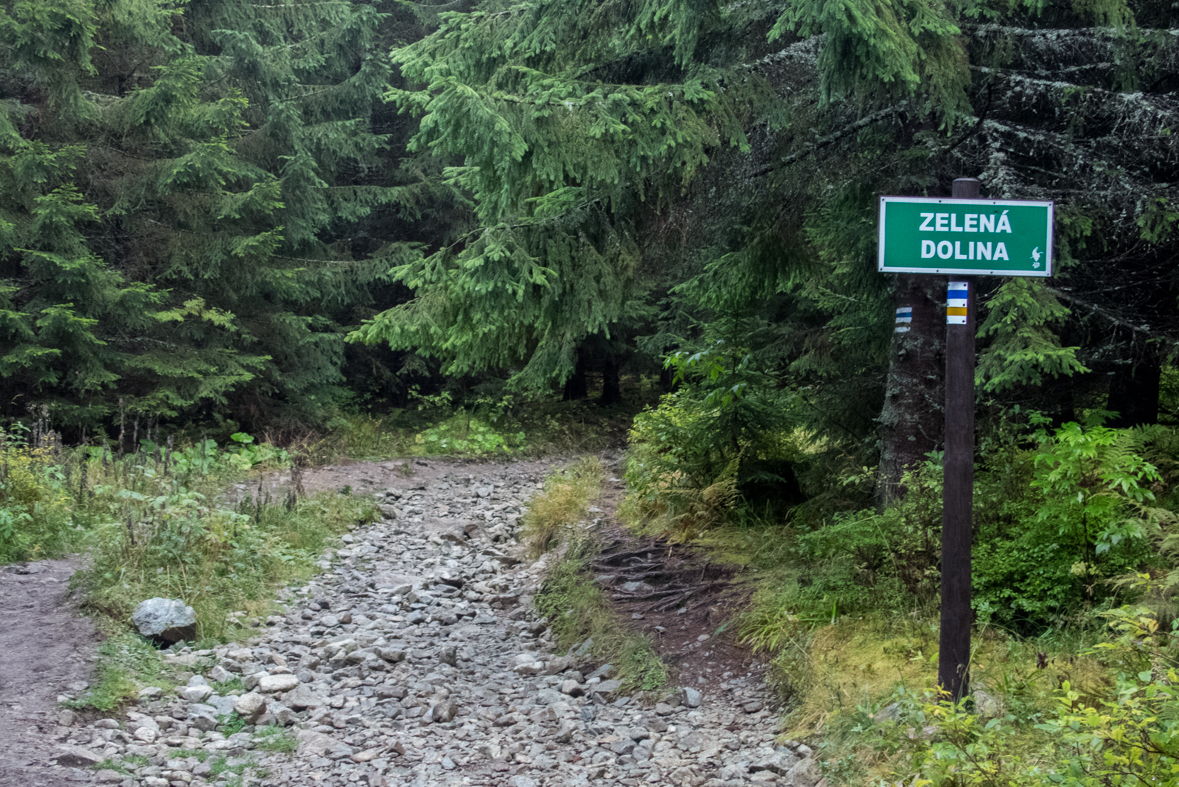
415 658
46 651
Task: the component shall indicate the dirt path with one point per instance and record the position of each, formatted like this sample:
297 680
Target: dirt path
46 649
414 658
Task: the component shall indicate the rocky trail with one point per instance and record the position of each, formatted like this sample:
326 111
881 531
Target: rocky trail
414 658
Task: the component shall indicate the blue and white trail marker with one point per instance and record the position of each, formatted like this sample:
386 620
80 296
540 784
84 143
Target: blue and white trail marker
904 319
957 296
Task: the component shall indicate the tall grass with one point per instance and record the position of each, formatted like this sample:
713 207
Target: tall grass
158 522
564 501
217 558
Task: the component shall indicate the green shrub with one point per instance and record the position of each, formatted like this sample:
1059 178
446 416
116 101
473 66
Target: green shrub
722 442
1126 735
1086 515
1055 522
463 433
35 506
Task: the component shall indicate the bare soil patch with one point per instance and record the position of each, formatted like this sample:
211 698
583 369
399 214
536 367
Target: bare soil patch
678 595
46 649
681 598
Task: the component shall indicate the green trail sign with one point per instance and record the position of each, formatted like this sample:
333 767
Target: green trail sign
984 237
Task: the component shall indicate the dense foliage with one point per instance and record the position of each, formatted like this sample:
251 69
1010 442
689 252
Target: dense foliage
190 196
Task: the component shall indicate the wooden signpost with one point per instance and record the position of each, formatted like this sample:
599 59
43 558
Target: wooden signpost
965 236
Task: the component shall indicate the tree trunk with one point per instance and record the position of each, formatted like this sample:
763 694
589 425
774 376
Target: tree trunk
575 386
611 382
912 418
667 381
1134 392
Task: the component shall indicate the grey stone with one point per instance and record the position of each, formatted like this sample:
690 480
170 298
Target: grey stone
603 672
781 761
223 705
219 674
313 743
805 774
77 757
606 687
391 655
444 711
560 664
303 697
565 732
203 717
107 776
691 697
168 619
194 693
572 688
283 715
986 705
549 697
529 668
250 706
270 684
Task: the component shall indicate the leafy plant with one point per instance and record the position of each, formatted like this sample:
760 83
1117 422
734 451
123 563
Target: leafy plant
1127 734
231 723
1095 488
1087 514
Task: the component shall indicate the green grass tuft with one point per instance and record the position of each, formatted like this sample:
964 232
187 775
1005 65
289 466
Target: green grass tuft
553 513
126 664
578 610
276 739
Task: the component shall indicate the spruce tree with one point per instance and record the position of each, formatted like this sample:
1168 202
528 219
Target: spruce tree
567 116
209 166
741 152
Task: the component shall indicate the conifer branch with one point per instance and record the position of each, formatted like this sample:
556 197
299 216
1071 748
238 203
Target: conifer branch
823 142
1102 312
1057 33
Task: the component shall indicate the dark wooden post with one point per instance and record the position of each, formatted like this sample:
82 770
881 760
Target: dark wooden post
953 670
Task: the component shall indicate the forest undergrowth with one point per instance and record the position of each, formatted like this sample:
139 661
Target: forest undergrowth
1075 643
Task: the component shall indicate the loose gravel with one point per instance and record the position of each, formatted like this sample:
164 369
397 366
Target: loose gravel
414 658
